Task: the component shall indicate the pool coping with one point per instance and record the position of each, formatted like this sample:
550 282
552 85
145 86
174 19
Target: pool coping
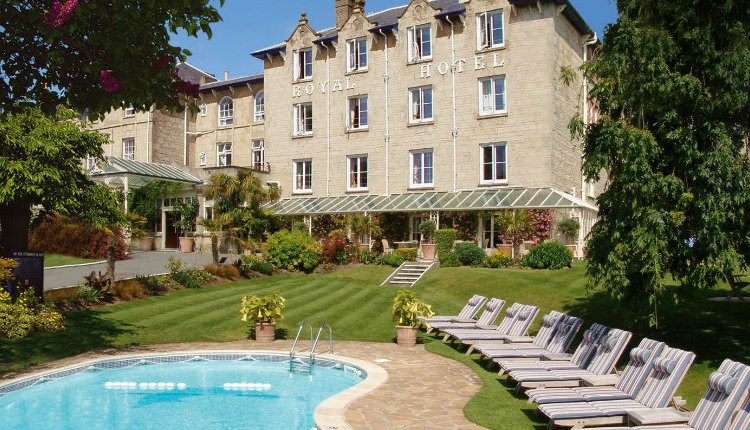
330 414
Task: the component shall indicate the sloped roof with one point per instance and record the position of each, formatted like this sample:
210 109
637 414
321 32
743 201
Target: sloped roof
153 171
189 73
468 200
236 82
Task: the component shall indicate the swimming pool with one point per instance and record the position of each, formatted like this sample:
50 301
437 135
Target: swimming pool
179 391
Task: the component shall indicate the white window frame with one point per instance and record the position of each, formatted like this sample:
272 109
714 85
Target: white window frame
417 105
303 119
356 169
356 112
258 153
303 64
356 54
259 110
202 159
224 154
90 163
128 148
419 42
494 162
128 111
486 26
488 100
421 169
204 109
302 171
226 111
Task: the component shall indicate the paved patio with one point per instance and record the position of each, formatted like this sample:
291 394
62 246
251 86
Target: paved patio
423 390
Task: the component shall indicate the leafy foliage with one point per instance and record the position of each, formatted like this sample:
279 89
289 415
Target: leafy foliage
337 250
407 309
293 250
468 254
263 309
427 229
68 236
251 263
444 239
674 92
187 209
569 227
449 259
394 226
465 224
26 314
497 260
548 255
409 254
94 56
144 200
40 164
394 259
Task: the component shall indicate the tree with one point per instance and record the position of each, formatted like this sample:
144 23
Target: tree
672 81
516 225
93 55
40 164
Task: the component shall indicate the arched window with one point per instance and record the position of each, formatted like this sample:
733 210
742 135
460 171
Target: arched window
260 106
226 111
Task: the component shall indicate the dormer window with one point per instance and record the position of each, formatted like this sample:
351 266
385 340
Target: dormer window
129 111
490 32
303 64
260 106
356 52
226 112
420 42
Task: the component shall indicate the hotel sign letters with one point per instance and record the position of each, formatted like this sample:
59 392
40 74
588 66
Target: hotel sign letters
479 62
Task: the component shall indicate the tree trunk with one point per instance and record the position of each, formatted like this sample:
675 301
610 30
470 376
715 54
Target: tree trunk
215 248
14 226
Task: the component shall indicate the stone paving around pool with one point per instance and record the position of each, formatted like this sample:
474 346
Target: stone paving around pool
423 390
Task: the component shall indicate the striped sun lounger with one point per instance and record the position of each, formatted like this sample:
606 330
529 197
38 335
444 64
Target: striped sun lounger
487 319
721 401
579 359
657 391
469 311
562 336
626 387
516 322
608 352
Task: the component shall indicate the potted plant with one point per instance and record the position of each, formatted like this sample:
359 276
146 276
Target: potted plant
569 227
427 230
137 228
407 313
187 209
263 311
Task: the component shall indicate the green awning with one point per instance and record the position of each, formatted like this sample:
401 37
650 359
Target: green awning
141 172
469 200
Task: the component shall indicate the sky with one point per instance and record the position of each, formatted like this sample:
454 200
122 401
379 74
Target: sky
249 25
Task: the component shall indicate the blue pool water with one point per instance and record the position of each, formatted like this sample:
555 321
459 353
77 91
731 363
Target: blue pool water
190 394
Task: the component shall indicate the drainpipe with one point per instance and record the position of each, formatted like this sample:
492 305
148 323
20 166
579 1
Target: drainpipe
387 136
454 131
586 44
328 122
185 138
149 118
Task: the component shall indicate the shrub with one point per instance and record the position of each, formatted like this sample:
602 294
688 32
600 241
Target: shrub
469 254
393 259
156 285
85 296
66 236
444 239
263 309
548 255
409 254
336 250
293 250
569 227
127 290
175 265
194 277
367 257
228 271
449 259
251 263
497 260
407 309
48 320
16 321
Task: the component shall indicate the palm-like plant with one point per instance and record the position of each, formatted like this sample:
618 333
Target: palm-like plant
515 225
215 226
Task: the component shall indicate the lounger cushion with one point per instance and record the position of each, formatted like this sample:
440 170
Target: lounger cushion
474 301
510 312
564 328
588 335
665 365
549 320
722 382
491 306
640 355
610 342
523 315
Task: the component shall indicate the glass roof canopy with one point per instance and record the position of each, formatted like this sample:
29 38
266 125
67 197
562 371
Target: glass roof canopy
469 200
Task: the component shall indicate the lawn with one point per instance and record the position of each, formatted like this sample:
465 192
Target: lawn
54 260
358 309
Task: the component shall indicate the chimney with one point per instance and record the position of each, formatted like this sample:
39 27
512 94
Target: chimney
226 75
344 9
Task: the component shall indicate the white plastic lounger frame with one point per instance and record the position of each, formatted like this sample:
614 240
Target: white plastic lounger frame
469 311
486 320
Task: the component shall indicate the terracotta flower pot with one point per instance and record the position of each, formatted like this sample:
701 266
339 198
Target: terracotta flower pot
406 335
147 243
186 244
265 332
428 251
